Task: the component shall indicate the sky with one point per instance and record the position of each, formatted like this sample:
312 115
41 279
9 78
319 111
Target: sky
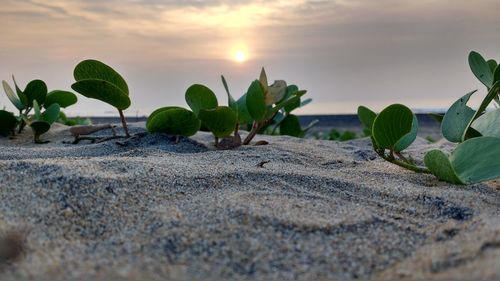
344 52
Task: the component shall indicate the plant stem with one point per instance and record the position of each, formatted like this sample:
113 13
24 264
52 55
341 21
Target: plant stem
124 123
255 128
415 168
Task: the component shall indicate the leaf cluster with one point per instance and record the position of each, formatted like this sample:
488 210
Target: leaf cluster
477 132
261 106
46 107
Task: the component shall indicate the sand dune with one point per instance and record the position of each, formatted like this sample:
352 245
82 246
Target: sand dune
292 210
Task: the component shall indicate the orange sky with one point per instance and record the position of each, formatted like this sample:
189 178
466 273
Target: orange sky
345 52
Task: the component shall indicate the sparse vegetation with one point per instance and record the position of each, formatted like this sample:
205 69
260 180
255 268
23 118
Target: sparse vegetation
475 159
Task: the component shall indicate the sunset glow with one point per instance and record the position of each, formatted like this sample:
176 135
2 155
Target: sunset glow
327 47
240 56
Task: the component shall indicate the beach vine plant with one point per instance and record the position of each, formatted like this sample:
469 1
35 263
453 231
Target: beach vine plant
476 157
258 108
97 80
35 97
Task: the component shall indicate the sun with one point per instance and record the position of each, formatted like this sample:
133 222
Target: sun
240 56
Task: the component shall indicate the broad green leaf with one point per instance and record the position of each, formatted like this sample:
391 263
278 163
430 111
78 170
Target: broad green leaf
8 123
395 128
290 90
366 117
492 64
488 124
276 92
255 101
292 100
496 75
51 114
409 138
230 100
20 93
63 98
103 91
96 70
457 119
36 90
38 113
162 109
243 114
173 121
221 121
477 159
12 96
40 127
200 97
440 166
290 126
481 69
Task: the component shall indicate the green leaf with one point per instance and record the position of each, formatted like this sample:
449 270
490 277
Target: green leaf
395 128
243 114
366 117
276 92
8 123
290 91
173 120
496 75
290 126
221 121
51 114
63 98
103 91
255 101
36 90
230 100
96 70
440 166
488 124
200 97
477 159
457 119
38 113
492 64
305 102
292 100
481 69
12 96
39 127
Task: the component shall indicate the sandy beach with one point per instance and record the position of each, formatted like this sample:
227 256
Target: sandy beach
296 209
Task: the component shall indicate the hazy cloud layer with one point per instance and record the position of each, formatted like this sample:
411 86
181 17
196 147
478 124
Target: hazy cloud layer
345 52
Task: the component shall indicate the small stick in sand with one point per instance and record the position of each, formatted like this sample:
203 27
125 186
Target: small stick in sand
77 131
261 164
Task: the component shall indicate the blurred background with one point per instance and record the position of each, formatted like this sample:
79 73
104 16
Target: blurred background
344 52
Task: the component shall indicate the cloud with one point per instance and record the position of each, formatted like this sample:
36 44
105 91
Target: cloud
342 51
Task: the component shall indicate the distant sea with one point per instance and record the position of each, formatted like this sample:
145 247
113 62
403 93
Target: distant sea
428 127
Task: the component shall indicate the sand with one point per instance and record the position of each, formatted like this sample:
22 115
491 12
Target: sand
292 210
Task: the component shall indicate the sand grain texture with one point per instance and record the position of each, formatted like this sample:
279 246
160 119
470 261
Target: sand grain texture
315 210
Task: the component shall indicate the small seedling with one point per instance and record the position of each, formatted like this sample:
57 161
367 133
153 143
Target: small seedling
264 105
477 155
97 80
36 97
